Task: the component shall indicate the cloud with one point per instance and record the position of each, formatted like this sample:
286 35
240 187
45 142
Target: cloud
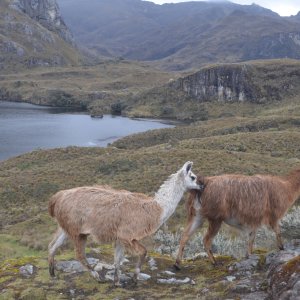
283 8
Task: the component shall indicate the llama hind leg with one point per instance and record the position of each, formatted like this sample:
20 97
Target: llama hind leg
141 251
252 234
58 240
119 255
80 242
193 225
213 228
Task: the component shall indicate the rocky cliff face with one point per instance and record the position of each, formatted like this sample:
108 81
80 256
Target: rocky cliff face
224 83
47 13
32 34
256 82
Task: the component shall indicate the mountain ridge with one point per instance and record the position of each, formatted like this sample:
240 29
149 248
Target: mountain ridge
181 36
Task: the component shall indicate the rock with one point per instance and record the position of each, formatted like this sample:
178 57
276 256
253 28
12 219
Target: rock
243 287
100 266
26 270
74 266
244 267
169 273
143 276
47 13
152 264
284 272
174 280
255 296
110 276
225 83
230 278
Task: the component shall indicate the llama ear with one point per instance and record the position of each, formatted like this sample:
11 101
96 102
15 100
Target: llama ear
187 166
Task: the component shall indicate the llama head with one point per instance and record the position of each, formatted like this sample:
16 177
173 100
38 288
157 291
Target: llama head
189 178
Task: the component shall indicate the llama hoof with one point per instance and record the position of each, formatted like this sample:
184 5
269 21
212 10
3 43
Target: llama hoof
96 276
51 271
118 284
176 267
135 279
214 263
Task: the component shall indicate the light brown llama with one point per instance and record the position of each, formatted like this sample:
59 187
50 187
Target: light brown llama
118 216
244 202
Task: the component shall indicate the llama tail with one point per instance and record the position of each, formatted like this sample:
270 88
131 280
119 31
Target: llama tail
51 205
189 203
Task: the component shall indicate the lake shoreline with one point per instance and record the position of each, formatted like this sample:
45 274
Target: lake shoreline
27 127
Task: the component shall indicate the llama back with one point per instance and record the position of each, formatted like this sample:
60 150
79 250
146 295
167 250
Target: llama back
99 212
249 199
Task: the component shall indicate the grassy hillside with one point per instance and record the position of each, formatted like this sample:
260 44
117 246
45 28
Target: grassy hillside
267 142
93 87
138 90
265 85
241 137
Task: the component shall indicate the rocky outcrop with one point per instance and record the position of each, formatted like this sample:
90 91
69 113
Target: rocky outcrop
256 82
284 272
224 83
47 13
33 34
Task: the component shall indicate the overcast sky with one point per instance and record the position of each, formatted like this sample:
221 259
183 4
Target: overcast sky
282 7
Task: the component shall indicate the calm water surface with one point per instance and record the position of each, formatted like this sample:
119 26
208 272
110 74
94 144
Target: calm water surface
26 127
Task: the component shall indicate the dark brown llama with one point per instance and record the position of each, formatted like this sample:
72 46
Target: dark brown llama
244 202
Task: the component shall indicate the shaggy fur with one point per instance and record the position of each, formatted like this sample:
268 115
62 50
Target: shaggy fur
109 215
245 202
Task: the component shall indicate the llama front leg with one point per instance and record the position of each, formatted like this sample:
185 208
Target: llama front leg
192 226
277 231
252 234
213 228
80 242
141 251
58 240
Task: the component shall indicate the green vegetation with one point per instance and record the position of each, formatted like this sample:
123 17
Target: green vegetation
102 88
243 138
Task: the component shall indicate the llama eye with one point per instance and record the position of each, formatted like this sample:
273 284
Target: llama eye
193 177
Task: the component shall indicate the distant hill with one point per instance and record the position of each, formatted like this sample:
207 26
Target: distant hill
34 34
220 90
183 35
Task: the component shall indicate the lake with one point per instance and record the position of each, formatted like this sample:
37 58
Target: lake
26 127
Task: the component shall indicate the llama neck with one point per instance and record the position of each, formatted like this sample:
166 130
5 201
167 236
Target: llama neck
169 195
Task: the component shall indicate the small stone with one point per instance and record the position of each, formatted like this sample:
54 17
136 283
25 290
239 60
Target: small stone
26 270
230 278
152 264
143 276
169 273
100 266
174 281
